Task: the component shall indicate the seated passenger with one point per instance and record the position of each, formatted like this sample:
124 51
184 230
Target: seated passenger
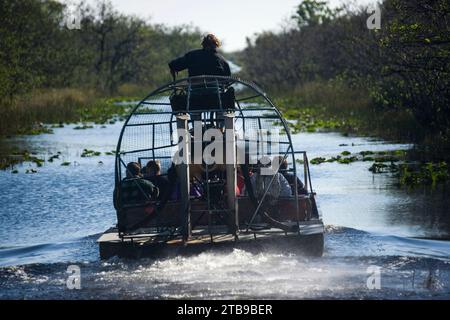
290 177
134 189
153 174
279 188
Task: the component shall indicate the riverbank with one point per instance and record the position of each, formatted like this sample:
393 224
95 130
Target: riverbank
41 110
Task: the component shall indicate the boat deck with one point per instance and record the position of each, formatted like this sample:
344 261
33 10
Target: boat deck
150 243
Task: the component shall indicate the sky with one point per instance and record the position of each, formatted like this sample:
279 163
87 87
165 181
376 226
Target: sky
231 20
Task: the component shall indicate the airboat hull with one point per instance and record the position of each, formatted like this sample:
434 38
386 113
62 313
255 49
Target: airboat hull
309 241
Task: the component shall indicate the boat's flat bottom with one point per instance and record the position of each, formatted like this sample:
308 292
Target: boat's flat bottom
309 240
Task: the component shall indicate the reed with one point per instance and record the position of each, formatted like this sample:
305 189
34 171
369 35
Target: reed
27 114
337 106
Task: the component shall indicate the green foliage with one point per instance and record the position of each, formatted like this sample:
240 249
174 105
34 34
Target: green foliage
313 12
113 54
90 153
403 69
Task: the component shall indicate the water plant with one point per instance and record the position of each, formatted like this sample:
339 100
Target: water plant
53 157
317 161
83 127
90 153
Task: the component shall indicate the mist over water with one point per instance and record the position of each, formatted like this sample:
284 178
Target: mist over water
51 219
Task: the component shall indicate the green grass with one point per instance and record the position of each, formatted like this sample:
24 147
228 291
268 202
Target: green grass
335 106
41 110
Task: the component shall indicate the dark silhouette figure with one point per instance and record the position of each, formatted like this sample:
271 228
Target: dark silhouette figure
205 61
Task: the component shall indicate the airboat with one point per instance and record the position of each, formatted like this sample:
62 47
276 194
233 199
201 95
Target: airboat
219 199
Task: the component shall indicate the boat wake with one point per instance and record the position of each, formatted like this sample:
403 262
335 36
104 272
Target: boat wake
408 269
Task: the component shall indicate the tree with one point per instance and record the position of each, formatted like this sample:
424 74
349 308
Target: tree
313 12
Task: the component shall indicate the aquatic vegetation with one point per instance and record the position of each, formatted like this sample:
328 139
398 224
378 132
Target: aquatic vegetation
66 163
424 174
31 171
34 131
366 153
90 153
15 171
53 157
83 127
316 161
110 153
414 174
8 162
380 158
18 157
347 160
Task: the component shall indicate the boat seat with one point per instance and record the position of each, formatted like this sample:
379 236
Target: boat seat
132 217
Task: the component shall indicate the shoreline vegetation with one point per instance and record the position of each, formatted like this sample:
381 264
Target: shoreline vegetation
50 73
329 72
42 110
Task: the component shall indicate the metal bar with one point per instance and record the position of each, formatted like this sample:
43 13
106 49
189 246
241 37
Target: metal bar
153 113
309 173
257 109
305 172
183 175
208 201
231 171
157 157
156 103
148 124
296 192
259 117
248 98
153 142
248 140
150 149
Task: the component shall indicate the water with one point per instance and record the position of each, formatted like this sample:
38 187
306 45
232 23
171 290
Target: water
51 219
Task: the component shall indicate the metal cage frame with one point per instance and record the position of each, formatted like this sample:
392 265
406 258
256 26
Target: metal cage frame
220 83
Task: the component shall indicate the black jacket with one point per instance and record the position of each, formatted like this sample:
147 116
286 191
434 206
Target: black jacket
201 62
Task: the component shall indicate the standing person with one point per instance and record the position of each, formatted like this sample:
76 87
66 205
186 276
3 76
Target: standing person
205 61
